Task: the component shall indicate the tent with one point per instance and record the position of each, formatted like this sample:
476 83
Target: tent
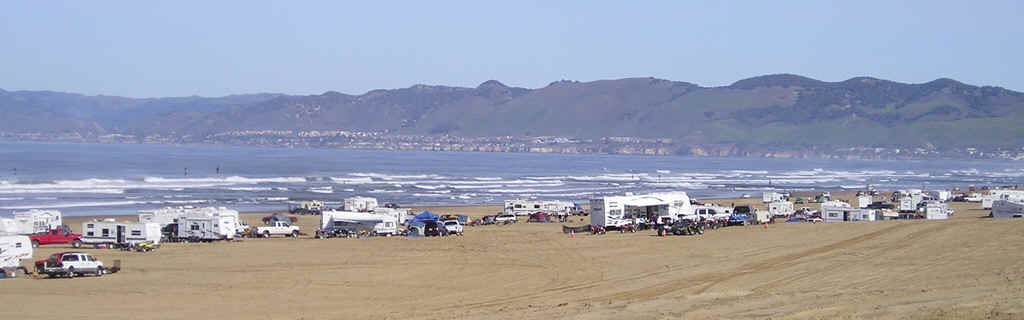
539 217
425 216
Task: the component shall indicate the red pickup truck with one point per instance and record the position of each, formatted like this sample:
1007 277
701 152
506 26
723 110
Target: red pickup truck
61 235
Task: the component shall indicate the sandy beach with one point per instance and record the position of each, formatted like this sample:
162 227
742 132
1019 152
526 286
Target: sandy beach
965 267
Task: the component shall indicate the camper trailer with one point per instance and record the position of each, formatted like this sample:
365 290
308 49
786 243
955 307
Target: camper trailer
838 211
940 195
400 215
780 208
658 208
863 201
169 215
908 204
525 207
1008 209
769 197
207 228
344 223
36 221
119 234
936 211
988 200
13 249
360 204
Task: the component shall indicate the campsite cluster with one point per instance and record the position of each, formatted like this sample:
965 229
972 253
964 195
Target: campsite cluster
360 217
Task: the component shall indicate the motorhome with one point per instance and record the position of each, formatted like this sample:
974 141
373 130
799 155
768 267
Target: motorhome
780 208
360 204
207 228
113 233
660 208
35 221
1008 209
13 249
521 207
335 223
770 196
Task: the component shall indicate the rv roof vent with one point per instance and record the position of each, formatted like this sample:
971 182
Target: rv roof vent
629 193
108 220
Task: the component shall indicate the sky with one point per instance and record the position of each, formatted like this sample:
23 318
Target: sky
216 48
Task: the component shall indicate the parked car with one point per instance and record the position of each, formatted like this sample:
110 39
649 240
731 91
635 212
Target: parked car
70 264
434 229
278 228
60 235
453 227
505 217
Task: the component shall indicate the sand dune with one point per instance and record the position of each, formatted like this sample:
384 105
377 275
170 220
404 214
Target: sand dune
966 267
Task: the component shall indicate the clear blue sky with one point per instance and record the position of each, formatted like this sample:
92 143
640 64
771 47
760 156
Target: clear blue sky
213 48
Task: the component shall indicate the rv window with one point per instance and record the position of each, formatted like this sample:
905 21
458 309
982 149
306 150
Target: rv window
833 214
90 233
195 227
536 206
106 232
518 206
615 212
136 232
17 245
89 226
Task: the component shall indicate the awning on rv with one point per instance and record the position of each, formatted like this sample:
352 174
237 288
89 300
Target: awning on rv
644 202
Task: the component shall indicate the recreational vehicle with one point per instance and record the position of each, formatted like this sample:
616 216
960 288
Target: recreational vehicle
936 211
36 221
940 195
769 197
13 249
834 211
525 207
659 208
993 195
360 204
780 208
207 228
1008 209
338 223
169 215
864 200
119 234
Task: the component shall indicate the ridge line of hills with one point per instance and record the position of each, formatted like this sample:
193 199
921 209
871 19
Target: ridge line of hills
774 115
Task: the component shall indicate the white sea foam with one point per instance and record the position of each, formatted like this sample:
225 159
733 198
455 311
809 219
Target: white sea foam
72 205
12 199
363 180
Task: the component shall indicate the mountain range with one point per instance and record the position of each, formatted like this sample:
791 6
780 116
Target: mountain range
771 110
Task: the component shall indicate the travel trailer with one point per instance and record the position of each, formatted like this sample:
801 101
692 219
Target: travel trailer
659 208
863 201
13 249
169 215
337 223
118 234
780 208
207 227
993 195
525 207
769 197
834 211
940 195
1008 209
936 211
400 215
35 221
360 204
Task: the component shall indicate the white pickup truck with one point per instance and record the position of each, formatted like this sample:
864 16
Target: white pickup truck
278 228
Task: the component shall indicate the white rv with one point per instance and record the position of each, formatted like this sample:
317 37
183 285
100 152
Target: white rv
780 208
13 249
360 204
712 212
400 215
526 207
863 201
113 233
617 211
993 195
36 221
207 228
834 211
769 197
936 211
169 215
940 195
1008 209
908 204
336 223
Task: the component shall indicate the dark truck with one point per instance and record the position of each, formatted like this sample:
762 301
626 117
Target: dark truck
60 235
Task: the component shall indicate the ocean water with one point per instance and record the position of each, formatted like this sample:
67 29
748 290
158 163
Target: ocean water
89 179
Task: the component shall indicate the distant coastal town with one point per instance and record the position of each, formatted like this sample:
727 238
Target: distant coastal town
531 144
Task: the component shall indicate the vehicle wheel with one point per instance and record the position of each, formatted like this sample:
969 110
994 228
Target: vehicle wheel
71 272
99 271
35 243
266 234
76 244
700 230
661 232
295 234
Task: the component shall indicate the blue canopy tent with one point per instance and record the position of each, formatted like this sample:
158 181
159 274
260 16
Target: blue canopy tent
425 216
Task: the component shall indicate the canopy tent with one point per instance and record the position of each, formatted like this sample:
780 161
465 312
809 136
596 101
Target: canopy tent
425 216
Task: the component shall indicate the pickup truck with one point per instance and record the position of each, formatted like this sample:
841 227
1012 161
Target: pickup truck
453 227
278 228
60 235
70 264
